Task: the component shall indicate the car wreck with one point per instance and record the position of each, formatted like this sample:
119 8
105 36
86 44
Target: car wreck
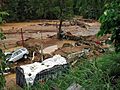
47 69
16 55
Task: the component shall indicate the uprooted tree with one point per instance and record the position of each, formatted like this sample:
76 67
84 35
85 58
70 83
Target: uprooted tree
110 23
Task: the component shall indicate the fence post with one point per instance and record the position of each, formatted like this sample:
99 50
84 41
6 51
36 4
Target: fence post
41 48
22 37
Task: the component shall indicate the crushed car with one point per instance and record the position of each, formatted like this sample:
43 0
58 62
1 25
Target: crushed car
16 55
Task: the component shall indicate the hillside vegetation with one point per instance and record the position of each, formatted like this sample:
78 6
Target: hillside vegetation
24 10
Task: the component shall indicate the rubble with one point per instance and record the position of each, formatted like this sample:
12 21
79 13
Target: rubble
90 44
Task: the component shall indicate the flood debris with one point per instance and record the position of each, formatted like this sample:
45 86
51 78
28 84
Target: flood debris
90 44
69 36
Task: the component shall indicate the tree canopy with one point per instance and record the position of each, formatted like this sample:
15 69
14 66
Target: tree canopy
21 10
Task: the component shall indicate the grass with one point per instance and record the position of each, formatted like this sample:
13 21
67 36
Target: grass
102 73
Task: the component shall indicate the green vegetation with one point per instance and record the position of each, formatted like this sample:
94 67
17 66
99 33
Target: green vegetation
2 15
90 8
2 68
99 74
110 23
2 64
24 10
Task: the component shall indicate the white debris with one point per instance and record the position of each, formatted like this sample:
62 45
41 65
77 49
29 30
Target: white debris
31 70
50 49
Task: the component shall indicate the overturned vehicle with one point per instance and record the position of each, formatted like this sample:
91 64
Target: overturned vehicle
48 69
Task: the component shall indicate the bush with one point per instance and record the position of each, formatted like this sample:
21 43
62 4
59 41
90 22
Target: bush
110 20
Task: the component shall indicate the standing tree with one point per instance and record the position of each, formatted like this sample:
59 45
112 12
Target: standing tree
65 12
110 23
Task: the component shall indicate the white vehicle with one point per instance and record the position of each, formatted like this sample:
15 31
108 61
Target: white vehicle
17 55
48 69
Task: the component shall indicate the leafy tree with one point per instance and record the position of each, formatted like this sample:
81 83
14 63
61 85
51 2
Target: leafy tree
46 9
90 8
110 23
42 8
11 7
19 10
23 10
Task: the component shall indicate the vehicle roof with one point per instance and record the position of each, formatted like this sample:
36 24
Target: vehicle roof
21 49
